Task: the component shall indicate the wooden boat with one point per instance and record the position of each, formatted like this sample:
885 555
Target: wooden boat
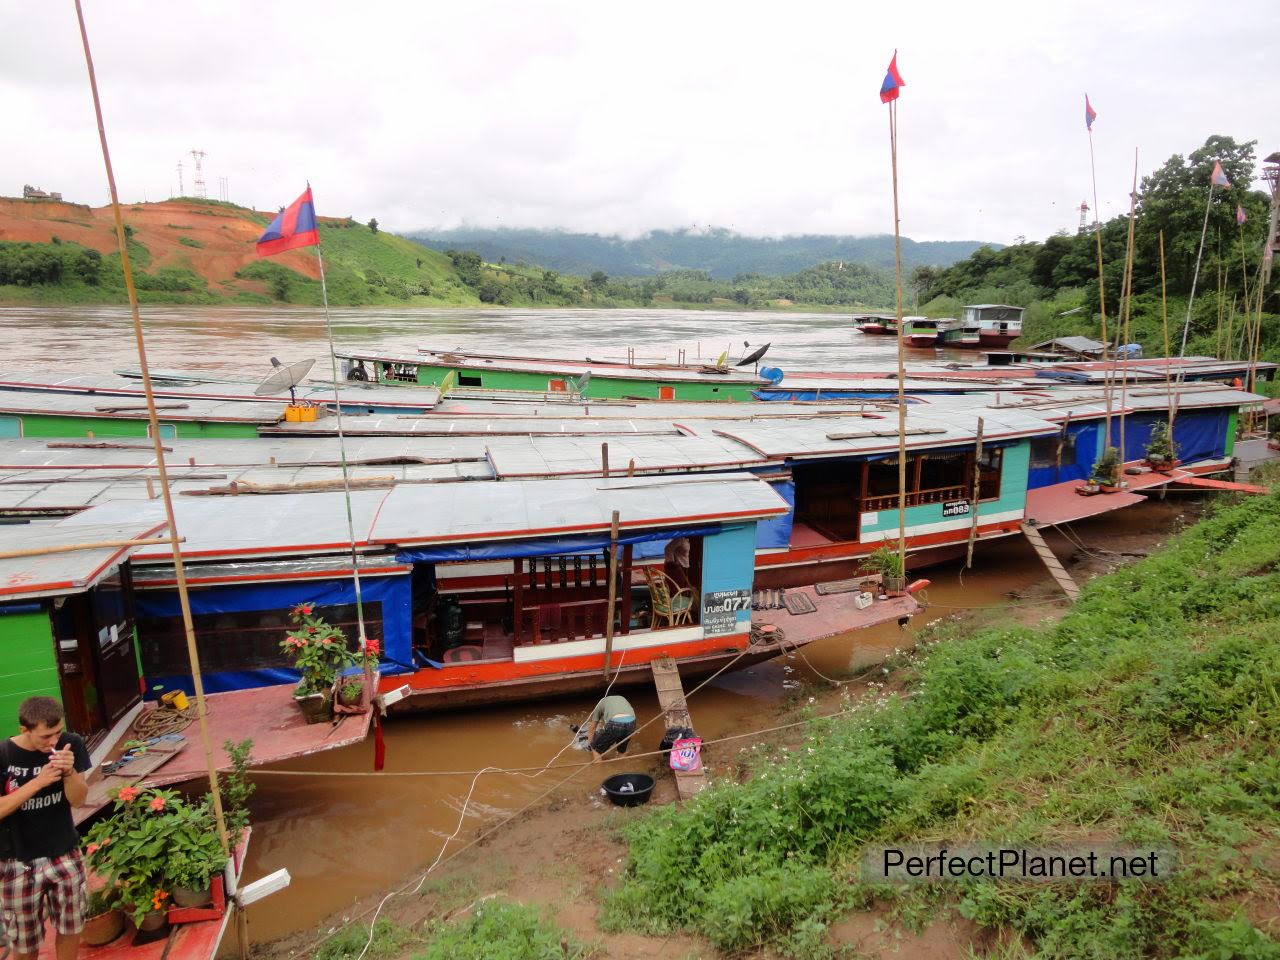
24 414
874 323
923 332
985 325
478 592
584 378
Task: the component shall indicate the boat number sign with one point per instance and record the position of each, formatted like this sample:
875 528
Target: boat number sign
720 611
955 508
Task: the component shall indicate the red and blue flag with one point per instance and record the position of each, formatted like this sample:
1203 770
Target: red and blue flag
1090 114
1240 217
893 81
292 228
1218 178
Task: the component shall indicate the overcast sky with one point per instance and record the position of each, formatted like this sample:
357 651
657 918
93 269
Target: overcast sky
623 117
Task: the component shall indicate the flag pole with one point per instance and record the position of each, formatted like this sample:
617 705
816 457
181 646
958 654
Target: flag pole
1127 306
902 401
1102 287
1191 300
342 442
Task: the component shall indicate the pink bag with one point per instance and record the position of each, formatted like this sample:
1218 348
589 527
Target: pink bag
686 754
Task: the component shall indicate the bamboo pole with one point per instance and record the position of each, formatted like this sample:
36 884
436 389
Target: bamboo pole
75 547
977 490
1164 322
613 593
1102 293
180 576
902 400
1127 312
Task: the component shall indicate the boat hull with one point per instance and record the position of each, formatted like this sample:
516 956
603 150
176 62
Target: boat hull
922 339
998 340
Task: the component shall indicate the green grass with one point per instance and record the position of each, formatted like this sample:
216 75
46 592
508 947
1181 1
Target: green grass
1148 714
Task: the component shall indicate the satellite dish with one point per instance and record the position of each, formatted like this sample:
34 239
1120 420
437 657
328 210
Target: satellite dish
754 357
284 378
581 386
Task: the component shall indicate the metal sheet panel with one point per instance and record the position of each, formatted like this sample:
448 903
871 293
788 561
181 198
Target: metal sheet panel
70 572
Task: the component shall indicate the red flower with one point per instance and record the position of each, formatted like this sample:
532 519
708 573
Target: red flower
372 648
157 804
127 794
306 609
311 630
91 849
326 641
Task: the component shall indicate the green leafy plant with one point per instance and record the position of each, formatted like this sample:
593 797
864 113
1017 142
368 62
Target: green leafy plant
236 786
319 651
1161 448
153 838
99 901
1106 471
886 562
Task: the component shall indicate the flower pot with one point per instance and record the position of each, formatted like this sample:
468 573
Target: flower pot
154 921
1108 487
102 929
1088 489
316 707
350 701
895 586
191 897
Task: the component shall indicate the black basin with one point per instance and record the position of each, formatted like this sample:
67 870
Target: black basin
642 785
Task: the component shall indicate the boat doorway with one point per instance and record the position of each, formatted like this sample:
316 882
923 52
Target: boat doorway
826 501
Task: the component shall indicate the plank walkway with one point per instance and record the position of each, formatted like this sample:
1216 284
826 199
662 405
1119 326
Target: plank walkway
666 680
1051 562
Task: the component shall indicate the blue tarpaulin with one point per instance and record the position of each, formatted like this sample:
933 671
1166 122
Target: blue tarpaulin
1077 464
392 593
1199 434
776 531
781 393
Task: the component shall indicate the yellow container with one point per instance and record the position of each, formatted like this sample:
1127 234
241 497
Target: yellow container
176 699
296 413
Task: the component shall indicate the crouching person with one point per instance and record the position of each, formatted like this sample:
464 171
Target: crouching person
41 873
611 725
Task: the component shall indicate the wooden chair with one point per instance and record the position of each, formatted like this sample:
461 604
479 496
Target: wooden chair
669 600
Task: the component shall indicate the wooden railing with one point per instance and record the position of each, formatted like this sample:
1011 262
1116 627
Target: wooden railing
918 498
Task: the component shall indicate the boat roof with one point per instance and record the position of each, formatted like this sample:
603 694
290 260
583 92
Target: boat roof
926 427
438 425
75 571
227 528
352 394
562 456
134 408
1062 404
1156 368
460 406
570 368
1078 344
988 306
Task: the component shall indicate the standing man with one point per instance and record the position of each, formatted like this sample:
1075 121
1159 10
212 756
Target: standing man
611 724
42 875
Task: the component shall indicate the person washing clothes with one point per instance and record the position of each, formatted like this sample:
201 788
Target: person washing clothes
611 725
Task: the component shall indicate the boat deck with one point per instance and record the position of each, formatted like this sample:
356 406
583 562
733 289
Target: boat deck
266 715
834 614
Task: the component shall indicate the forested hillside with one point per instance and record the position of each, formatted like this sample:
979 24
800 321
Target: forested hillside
720 253
1057 279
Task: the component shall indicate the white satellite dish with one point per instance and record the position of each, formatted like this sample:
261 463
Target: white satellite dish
284 378
580 388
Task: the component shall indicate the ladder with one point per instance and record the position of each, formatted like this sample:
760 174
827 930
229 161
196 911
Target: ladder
666 680
1051 562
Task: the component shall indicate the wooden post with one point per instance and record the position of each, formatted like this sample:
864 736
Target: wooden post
95 545
604 459
613 591
151 490
977 492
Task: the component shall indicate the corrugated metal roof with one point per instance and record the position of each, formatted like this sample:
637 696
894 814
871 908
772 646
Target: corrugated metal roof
560 456
436 425
222 389
14 402
1078 344
481 512
641 410
316 523
60 573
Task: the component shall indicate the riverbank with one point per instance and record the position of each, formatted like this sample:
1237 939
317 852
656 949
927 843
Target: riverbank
568 856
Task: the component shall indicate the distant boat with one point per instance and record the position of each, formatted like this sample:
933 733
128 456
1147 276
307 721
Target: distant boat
924 332
876 323
985 325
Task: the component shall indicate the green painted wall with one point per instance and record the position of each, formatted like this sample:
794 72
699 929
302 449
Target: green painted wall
28 667
1231 433
598 388
1013 497
50 425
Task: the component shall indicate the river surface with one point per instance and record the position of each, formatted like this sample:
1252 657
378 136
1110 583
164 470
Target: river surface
343 838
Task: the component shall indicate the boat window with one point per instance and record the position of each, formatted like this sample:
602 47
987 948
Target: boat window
469 380
10 428
938 470
239 640
1044 451
400 372
168 431
989 468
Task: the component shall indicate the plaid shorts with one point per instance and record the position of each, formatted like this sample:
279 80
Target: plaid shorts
46 889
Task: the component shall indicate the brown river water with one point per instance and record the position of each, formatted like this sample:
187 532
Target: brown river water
344 838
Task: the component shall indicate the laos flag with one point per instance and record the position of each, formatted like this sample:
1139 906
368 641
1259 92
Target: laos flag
893 81
294 227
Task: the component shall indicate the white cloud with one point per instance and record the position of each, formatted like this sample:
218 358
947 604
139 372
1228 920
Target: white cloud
757 116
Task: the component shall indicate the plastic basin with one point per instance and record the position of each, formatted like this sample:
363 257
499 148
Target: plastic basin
642 787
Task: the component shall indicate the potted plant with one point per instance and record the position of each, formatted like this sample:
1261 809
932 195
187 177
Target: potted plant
1162 452
103 921
888 564
1106 472
319 651
350 690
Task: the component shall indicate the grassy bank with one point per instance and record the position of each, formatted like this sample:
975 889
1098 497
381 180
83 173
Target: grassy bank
1149 714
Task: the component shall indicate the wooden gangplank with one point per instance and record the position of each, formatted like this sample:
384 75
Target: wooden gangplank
666 680
1051 562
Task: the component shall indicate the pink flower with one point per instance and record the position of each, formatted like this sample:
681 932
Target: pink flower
127 794
157 804
326 641
92 848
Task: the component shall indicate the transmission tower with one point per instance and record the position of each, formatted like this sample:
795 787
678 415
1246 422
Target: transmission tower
197 184
1084 216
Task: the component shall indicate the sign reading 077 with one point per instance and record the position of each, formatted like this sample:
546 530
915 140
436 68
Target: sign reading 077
722 612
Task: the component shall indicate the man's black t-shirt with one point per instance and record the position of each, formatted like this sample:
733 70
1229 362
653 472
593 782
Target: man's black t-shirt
43 826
